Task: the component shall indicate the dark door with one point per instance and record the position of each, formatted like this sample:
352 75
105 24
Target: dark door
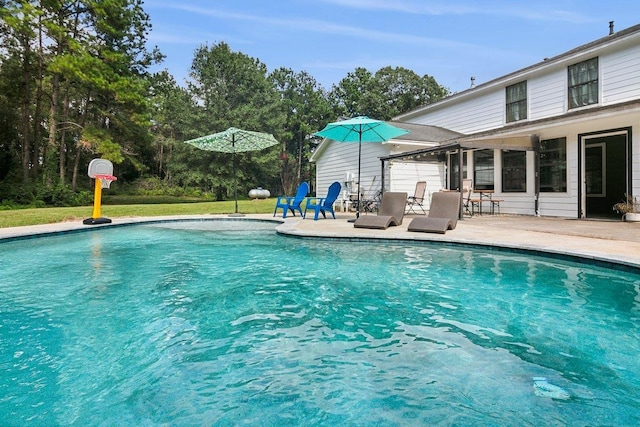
605 174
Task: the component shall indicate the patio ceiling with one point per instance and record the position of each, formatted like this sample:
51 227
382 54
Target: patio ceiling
514 143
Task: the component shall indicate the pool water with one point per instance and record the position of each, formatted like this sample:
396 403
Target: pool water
227 323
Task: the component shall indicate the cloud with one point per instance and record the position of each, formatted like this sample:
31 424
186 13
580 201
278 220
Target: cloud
325 27
533 11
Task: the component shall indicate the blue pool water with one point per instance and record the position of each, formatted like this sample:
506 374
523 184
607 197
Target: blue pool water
227 323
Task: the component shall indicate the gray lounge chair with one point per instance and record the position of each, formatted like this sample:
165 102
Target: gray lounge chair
391 212
443 214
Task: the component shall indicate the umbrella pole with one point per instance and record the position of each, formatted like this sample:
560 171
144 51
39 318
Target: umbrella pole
235 178
359 157
235 181
359 180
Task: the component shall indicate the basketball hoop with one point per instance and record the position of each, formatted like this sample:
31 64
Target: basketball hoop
106 180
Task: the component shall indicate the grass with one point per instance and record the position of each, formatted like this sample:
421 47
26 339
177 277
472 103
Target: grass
22 217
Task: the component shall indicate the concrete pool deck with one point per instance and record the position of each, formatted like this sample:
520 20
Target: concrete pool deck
609 241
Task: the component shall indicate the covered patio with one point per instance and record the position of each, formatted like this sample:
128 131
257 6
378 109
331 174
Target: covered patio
459 146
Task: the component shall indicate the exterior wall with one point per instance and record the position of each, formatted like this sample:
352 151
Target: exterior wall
621 79
483 109
403 176
476 115
547 95
339 162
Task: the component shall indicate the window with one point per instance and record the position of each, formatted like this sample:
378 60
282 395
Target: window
553 166
596 170
454 168
514 171
483 170
583 83
517 102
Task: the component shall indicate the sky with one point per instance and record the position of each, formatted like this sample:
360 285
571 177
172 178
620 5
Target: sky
450 40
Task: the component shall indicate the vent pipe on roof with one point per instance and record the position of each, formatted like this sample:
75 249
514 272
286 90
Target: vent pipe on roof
610 27
473 82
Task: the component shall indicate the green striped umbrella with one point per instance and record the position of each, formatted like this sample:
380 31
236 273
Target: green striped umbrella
234 140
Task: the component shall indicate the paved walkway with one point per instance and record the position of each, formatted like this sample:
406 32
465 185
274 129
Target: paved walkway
610 241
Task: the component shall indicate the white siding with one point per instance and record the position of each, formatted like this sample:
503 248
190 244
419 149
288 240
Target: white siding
547 95
479 114
620 76
635 161
404 175
341 158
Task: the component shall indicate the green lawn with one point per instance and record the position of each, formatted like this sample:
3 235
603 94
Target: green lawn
20 217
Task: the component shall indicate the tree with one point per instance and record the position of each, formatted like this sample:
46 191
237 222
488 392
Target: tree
74 85
10 150
172 113
20 23
232 89
113 74
355 95
388 93
304 104
403 90
89 57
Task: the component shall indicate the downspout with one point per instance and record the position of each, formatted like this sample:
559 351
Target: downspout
382 177
460 179
535 140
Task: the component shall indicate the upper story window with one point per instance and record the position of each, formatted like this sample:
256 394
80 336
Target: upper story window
517 102
583 83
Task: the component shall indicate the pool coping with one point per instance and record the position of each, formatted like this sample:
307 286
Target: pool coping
566 251
494 234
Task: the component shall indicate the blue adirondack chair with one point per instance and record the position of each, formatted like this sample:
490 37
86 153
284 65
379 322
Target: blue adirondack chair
292 203
324 204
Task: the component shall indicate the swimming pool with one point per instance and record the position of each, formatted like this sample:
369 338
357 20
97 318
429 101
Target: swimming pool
225 323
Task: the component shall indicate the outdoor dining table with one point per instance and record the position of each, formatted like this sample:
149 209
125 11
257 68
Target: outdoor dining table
487 196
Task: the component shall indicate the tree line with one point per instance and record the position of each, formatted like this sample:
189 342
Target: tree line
75 85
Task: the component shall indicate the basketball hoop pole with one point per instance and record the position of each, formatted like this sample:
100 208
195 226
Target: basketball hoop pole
97 199
96 217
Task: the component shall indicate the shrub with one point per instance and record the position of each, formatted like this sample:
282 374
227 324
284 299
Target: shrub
62 195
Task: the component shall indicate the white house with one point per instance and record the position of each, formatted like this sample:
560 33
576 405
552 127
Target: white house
558 138
338 161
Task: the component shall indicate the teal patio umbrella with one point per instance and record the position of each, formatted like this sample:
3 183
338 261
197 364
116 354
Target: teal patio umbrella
360 129
234 140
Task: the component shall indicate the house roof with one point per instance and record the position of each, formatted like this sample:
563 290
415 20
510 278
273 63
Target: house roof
619 36
424 133
418 134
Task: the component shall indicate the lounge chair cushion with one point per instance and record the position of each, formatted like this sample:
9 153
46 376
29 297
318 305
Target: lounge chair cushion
391 212
431 225
376 221
443 214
